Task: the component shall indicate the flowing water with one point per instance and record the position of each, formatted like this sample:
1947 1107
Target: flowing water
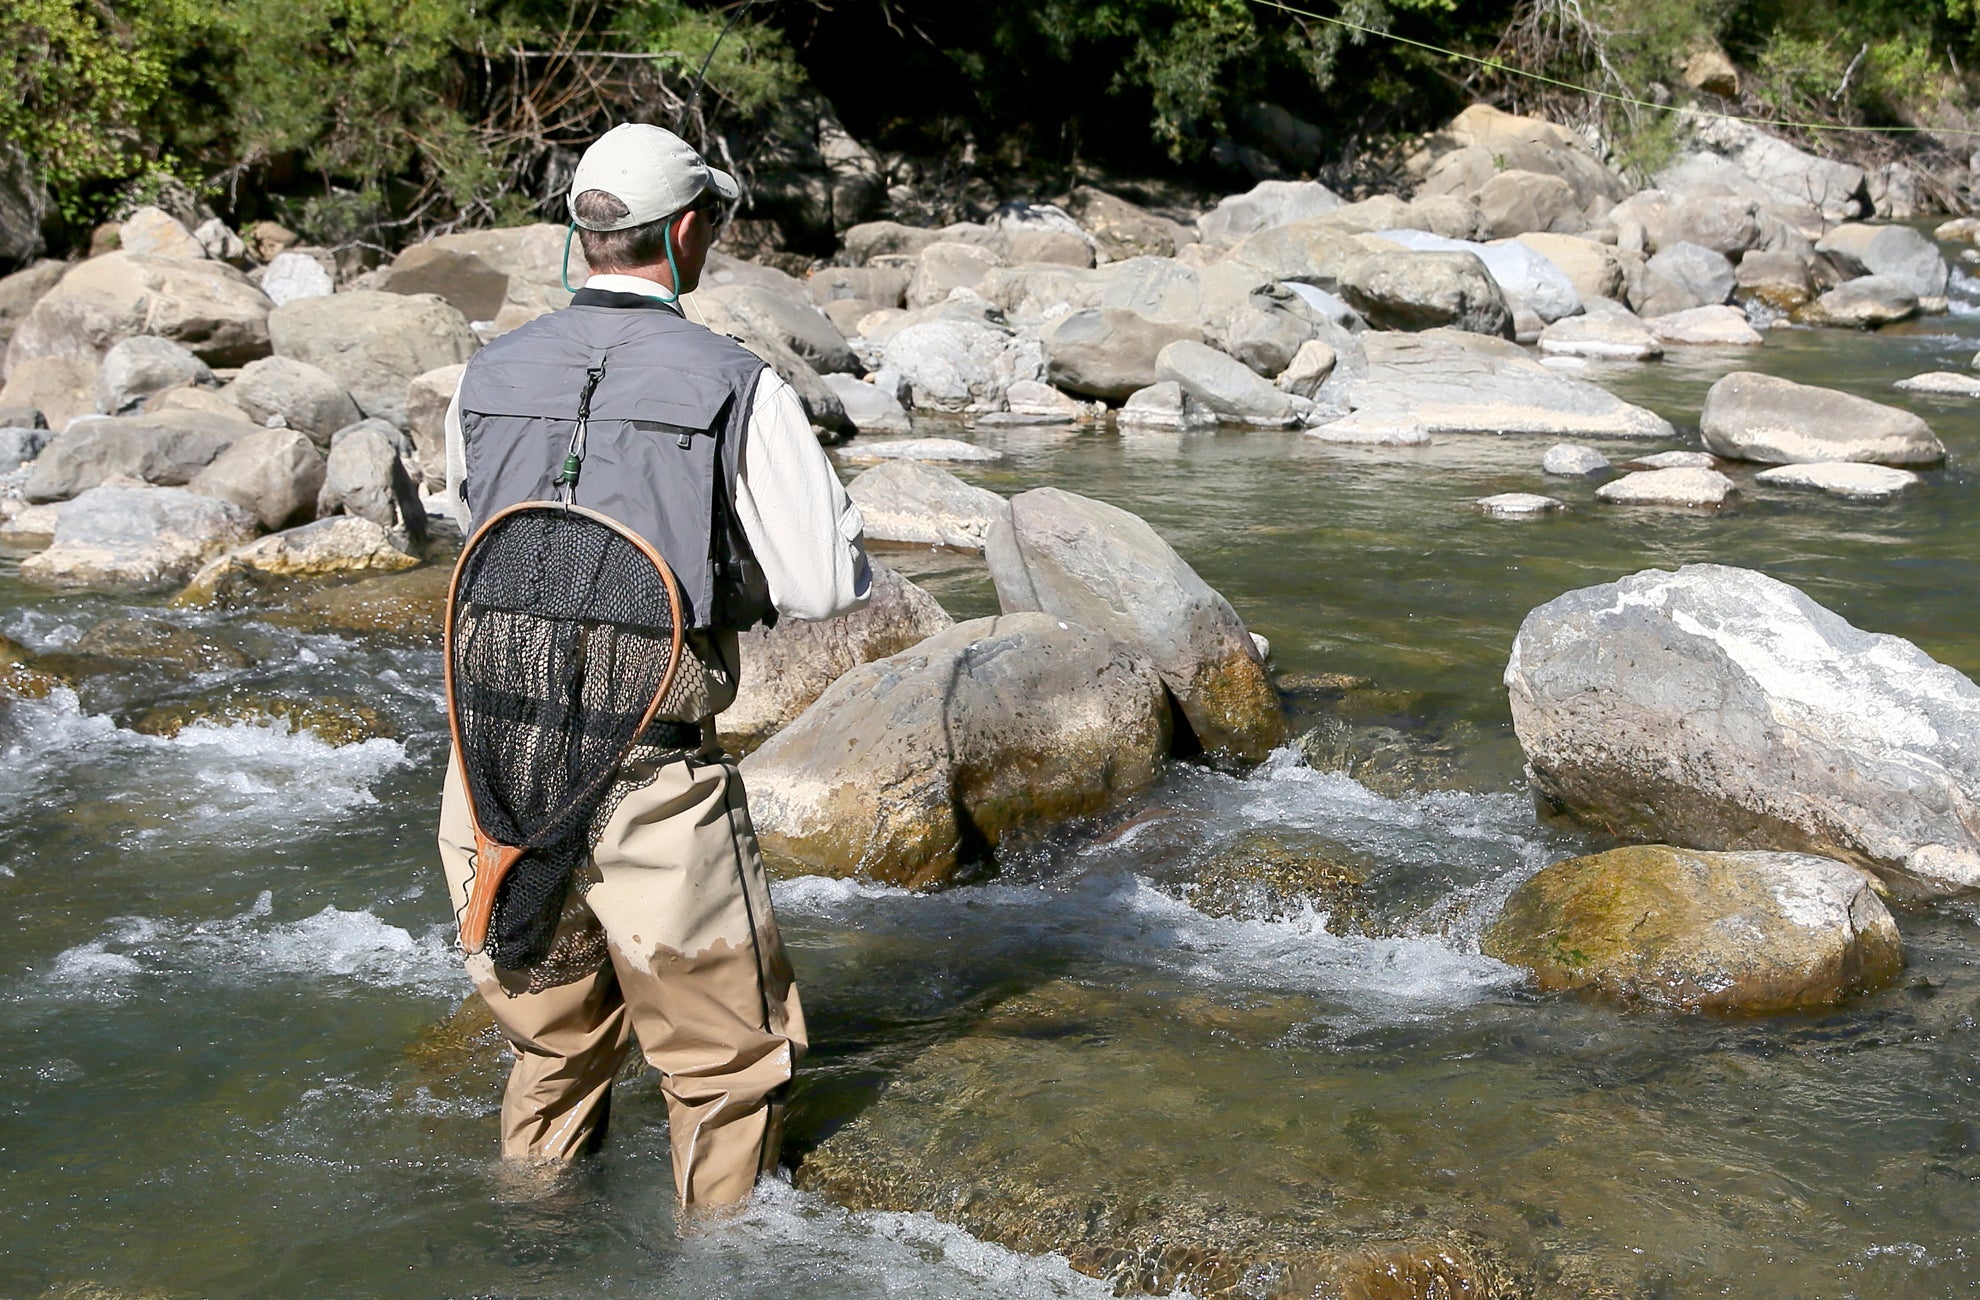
225 952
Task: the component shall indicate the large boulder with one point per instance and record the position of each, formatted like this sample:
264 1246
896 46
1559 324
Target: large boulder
1267 204
290 276
471 286
909 769
157 233
763 318
273 474
1520 202
1717 708
871 408
1864 304
962 365
1593 269
1101 567
138 367
208 306
20 291
373 343
1447 381
61 388
1895 252
428 397
1613 335
1750 416
136 537
1706 327
1121 229
1108 352
533 259
1682 276
294 394
1727 223
166 448
1526 277
910 501
1751 933
787 667
946 266
364 476
1790 177
1409 290
1482 142
342 544
1225 386
1781 280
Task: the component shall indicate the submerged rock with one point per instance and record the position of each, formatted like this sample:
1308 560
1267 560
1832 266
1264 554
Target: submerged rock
1941 383
333 719
1101 567
1164 406
1861 304
786 667
1717 708
908 770
1851 481
1750 416
909 501
152 640
1518 505
412 604
1755 933
1571 460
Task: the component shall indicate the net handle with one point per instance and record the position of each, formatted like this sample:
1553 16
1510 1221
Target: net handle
492 860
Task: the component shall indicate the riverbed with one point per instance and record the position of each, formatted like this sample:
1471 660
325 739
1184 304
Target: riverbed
228 977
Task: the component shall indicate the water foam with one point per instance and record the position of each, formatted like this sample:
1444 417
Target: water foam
251 947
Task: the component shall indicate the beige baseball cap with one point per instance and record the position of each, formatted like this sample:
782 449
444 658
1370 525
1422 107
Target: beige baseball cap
651 170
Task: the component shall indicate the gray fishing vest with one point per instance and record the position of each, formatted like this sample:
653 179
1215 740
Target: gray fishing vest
669 404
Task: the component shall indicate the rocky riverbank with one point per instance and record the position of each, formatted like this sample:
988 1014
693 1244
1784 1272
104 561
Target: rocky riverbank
206 418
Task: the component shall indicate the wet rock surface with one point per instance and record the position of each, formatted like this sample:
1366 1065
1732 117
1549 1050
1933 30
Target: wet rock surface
1098 566
1751 933
1749 717
906 770
1757 417
912 501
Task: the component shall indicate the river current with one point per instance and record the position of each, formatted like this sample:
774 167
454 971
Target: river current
227 975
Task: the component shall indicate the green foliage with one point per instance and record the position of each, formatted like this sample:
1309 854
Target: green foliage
753 68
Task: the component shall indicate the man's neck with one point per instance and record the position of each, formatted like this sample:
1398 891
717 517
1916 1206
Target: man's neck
638 282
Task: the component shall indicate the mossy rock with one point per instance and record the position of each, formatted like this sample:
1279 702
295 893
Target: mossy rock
27 674
333 719
1263 875
1750 933
412 604
1390 761
151 640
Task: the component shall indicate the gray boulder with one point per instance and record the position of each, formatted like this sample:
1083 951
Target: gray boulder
1521 202
20 291
1618 335
1482 142
1101 567
1268 204
910 501
1749 717
946 266
1896 253
157 233
1448 381
296 395
1407 290
294 276
137 367
1309 368
871 409
1595 270
273 474
373 343
1108 352
1848 480
787 667
1164 406
166 448
1570 460
962 365
1224 385
882 286
1727 223
58 388
1684 276
471 286
910 769
364 476
1779 279
1120 229
1790 177
1757 417
207 306
136 537
342 544
1735 933
764 319
1865 303
1706 326
1526 277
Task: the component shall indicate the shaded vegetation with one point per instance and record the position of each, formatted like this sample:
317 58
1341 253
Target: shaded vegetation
361 119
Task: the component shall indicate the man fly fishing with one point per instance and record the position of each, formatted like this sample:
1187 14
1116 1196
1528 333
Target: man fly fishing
638 491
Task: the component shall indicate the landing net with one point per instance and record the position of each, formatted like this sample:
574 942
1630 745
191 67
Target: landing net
563 642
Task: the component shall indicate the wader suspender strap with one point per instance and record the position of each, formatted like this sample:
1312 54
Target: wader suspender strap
566 481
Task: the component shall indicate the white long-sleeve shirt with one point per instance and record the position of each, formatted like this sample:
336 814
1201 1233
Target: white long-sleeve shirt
805 531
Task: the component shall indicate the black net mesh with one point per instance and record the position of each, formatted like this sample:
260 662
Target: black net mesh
563 635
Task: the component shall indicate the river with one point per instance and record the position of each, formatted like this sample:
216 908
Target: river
227 974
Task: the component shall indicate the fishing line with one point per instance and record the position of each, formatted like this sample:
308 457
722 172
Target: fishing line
1496 66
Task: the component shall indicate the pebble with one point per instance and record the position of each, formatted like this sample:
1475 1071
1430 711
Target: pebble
1842 479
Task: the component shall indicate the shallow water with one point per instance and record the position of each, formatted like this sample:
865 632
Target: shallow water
226 952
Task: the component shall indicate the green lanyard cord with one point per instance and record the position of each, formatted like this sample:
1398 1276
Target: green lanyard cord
673 268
